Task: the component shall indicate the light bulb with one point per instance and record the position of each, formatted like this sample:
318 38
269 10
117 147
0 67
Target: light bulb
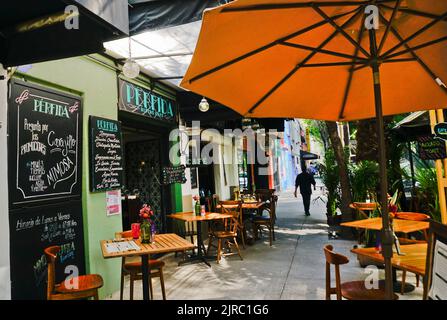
131 69
204 106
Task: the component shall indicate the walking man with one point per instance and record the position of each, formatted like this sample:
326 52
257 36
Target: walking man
304 181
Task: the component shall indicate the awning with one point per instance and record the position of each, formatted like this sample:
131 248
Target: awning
31 32
146 15
308 155
163 36
415 125
218 114
188 103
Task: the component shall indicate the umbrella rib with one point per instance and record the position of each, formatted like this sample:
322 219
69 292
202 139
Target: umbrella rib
399 60
335 64
414 12
329 52
351 71
267 46
388 26
417 58
340 29
414 35
277 6
298 66
422 45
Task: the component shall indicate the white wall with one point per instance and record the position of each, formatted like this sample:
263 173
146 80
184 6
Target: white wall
5 281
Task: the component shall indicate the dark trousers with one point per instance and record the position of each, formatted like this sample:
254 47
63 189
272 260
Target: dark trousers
306 201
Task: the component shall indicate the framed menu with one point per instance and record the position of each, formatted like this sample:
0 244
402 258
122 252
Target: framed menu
106 154
44 146
435 287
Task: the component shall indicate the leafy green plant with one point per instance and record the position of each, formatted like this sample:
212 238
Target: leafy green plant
427 192
364 177
330 178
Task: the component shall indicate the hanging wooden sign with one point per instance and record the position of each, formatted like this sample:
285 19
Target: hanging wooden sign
430 148
441 131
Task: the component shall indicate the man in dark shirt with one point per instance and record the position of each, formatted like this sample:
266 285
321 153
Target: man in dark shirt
304 181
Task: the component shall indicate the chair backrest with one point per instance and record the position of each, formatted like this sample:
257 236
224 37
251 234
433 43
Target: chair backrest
235 209
51 255
337 260
264 194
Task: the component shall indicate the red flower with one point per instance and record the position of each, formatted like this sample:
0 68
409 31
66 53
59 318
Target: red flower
146 212
196 198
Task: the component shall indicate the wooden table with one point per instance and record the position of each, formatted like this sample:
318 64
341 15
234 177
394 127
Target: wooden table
191 217
413 259
246 205
399 225
164 243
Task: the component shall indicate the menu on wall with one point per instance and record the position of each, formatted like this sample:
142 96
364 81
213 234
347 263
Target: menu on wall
171 175
33 230
106 154
45 135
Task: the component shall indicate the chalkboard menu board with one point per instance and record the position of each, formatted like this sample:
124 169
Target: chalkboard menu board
33 230
171 175
106 154
430 148
45 145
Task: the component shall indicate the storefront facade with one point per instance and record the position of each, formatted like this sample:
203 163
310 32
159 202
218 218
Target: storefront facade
94 81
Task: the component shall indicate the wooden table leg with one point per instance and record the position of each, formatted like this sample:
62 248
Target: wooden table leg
146 276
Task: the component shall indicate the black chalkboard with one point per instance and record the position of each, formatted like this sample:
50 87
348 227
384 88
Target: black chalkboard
106 154
172 175
33 230
45 145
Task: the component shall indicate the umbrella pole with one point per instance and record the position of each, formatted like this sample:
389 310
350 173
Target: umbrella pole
387 237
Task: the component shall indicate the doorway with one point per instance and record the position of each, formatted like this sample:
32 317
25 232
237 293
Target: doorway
142 153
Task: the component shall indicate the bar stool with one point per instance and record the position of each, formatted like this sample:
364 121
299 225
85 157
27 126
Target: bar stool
133 269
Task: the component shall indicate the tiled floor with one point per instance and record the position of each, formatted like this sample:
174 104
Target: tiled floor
293 268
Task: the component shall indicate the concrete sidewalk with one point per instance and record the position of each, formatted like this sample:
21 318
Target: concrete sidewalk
293 268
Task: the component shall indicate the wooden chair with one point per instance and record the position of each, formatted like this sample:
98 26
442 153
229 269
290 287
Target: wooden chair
353 290
268 221
86 286
132 266
404 241
231 227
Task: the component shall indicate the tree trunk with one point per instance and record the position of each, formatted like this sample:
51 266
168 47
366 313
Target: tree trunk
344 176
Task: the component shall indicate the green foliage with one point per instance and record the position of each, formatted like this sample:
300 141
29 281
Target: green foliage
330 177
364 177
427 192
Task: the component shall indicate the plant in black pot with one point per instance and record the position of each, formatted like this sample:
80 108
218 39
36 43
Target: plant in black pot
331 180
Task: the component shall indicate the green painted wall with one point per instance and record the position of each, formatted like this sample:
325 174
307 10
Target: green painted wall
98 88
96 82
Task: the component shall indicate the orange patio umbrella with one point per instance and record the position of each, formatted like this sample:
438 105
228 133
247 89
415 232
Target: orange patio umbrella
327 60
